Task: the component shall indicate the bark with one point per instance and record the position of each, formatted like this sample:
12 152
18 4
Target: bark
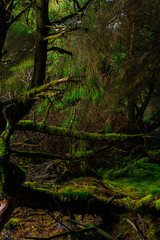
34 92
73 201
141 110
61 131
62 202
68 203
6 209
5 14
41 45
60 50
77 155
37 154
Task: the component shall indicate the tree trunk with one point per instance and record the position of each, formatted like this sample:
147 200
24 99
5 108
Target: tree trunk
4 22
41 45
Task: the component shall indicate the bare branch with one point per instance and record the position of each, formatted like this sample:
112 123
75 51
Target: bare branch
79 11
19 15
60 50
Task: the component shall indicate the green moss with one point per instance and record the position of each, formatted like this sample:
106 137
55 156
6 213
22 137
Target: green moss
33 184
71 193
157 204
14 222
66 132
147 199
155 191
3 150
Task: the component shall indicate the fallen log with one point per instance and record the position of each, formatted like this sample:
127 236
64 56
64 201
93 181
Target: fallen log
65 132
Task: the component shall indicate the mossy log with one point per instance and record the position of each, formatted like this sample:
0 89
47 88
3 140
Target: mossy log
68 200
65 132
81 198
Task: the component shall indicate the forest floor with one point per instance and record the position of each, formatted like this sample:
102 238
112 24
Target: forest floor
139 221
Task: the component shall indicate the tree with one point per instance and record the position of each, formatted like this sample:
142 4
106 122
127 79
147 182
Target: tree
138 41
18 193
7 19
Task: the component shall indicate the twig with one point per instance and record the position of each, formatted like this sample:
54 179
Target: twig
47 111
58 221
63 234
142 226
136 228
76 222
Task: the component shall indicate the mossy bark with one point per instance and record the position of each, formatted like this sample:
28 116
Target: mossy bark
11 176
61 131
84 199
78 155
36 91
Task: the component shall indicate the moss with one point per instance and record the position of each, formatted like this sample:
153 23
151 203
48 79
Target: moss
14 223
36 186
60 131
157 204
147 199
33 184
155 192
71 193
3 150
154 153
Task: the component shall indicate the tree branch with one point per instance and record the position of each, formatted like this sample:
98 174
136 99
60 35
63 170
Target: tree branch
79 11
36 154
44 155
13 19
34 91
60 50
65 132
